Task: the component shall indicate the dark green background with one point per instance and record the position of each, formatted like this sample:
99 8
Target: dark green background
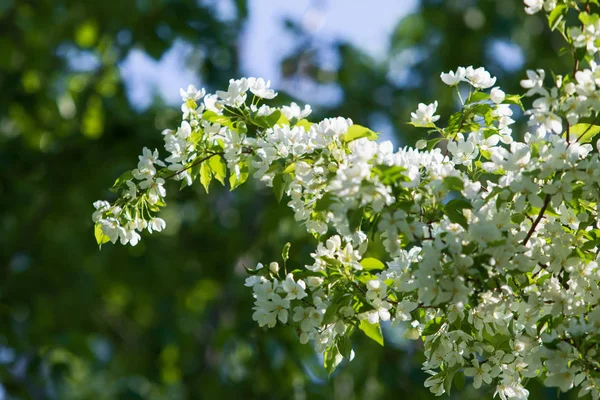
170 318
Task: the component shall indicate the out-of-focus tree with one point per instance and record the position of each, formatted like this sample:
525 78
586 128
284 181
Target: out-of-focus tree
170 318
437 37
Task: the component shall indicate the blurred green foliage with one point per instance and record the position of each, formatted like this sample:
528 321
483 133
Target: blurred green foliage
170 318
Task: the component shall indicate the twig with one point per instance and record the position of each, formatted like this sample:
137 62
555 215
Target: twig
538 219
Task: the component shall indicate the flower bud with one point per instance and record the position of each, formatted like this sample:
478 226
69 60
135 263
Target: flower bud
497 95
313 281
274 267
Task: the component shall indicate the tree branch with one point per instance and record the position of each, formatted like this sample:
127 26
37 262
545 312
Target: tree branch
538 219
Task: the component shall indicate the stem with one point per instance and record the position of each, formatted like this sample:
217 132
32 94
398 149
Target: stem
459 96
538 219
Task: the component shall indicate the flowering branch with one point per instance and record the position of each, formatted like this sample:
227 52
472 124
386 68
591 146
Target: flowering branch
429 242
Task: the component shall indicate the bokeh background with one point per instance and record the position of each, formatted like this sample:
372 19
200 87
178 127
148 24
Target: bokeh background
85 84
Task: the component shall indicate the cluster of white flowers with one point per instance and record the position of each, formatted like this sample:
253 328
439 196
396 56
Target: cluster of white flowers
485 247
128 216
477 77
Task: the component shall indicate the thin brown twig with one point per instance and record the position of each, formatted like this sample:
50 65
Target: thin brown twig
537 220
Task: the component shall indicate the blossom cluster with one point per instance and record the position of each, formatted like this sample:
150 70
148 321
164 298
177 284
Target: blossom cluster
484 246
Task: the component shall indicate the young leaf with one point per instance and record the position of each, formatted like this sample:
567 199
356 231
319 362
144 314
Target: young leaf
205 175
454 123
557 15
454 183
236 178
285 253
305 124
126 176
478 96
586 131
371 263
459 381
372 331
357 131
279 186
453 209
101 238
432 326
448 381
345 346
514 99
269 121
215 118
331 359
324 202
219 168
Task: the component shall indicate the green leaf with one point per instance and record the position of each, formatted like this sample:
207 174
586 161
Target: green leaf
454 123
305 124
357 131
126 176
331 359
355 218
330 314
205 175
285 253
218 167
194 172
234 179
372 331
478 96
431 143
514 99
345 346
588 19
448 380
557 15
547 319
269 121
371 263
453 210
428 125
282 120
454 183
289 168
517 218
586 131
279 186
215 118
339 300
324 202
484 110
433 326
101 238
393 174
459 381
